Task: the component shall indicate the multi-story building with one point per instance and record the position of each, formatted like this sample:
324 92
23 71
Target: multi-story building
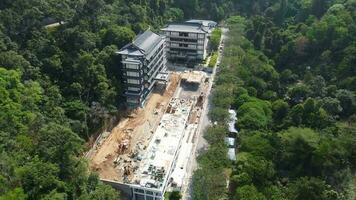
143 63
186 41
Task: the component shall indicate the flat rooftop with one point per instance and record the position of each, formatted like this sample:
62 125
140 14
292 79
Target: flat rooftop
162 76
207 23
185 27
193 77
157 163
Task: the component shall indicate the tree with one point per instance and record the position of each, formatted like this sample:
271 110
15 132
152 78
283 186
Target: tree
298 145
299 93
208 184
331 105
18 110
103 192
254 115
260 170
310 189
175 195
54 195
287 76
241 99
219 114
174 14
352 120
59 145
215 134
329 157
257 144
248 192
280 110
118 36
222 91
347 101
39 178
215 38
274 192
15 194
318 86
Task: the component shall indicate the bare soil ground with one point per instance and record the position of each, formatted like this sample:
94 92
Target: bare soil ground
135 129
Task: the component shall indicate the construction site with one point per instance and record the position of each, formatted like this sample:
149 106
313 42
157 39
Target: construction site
148 152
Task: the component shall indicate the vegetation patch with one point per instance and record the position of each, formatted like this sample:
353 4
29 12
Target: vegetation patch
213 59
215 38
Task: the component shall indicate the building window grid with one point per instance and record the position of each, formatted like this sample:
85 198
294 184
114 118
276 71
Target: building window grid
192 35
183 40
156 53
157 56
146 194
158 65
183 34
153 64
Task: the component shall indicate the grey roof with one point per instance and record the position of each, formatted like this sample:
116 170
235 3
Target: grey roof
129 50
230 141
231 154
186 27
143 44
207 23
232 121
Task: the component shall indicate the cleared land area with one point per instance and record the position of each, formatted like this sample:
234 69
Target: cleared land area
131 135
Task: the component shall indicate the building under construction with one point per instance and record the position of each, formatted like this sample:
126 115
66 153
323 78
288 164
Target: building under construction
158 160
162 164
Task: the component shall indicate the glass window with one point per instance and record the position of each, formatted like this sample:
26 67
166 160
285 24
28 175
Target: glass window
139 197
133 89
192 46
133 74
139 190
133 81
132 101
193 35
182 34
132 66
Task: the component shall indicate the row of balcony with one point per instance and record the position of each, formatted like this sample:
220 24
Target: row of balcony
186 36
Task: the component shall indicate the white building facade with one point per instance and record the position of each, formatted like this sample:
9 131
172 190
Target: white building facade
186 41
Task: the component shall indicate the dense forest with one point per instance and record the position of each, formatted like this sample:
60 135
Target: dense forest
58 85
289 67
